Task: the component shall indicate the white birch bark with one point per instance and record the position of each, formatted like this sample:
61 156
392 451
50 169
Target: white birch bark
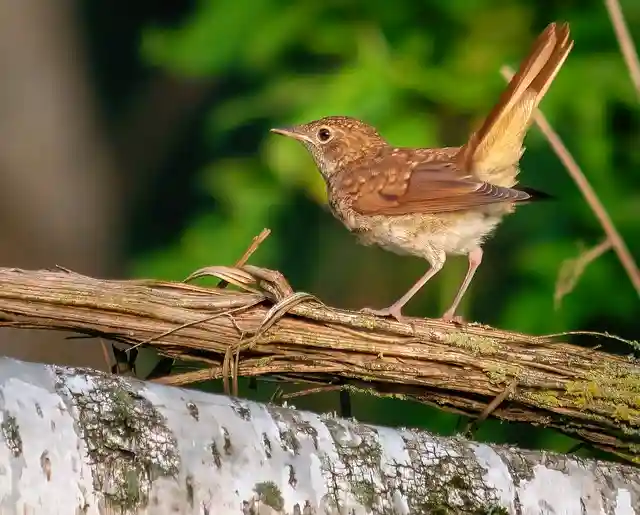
81 442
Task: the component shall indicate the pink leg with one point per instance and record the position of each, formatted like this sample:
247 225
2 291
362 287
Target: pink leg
395 310
475 258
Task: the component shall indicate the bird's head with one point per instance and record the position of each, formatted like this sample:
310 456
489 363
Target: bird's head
335 141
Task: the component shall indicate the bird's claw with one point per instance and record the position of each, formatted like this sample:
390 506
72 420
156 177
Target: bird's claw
396 313
391 311
452 317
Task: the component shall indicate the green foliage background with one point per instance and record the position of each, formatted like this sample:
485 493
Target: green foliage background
424 72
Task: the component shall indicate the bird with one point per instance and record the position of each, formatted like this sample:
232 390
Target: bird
434 202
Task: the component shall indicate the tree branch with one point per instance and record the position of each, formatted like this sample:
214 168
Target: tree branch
87 442
267 329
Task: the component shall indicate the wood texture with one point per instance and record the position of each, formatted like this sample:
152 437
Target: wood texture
267 329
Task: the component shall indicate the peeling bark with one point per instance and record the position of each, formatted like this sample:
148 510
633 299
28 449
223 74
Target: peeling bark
79 441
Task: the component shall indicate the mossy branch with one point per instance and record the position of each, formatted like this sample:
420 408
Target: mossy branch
267 329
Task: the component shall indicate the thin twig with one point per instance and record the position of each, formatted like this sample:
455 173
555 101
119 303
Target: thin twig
105 354
588 193
311 391
573 268
492 406
257 241
627 47
631 343
193 323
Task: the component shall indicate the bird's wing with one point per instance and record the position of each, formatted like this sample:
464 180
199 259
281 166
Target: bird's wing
396 185
492 152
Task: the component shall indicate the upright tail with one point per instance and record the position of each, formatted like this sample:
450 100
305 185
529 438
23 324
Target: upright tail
492 153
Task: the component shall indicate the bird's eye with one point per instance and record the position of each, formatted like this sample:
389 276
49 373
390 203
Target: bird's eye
324 134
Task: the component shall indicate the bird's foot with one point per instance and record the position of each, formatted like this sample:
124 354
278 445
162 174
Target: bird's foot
450 316
391 311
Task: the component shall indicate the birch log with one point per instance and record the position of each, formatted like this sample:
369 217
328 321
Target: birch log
78 441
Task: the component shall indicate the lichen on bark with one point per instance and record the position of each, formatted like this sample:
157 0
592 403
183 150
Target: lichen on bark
128 443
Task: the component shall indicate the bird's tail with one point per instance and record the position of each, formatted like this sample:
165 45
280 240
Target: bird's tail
492 153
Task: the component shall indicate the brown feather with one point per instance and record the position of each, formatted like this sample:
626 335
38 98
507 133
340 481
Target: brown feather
399 187
403 181
492 153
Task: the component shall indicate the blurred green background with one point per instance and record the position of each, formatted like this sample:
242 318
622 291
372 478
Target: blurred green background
188 91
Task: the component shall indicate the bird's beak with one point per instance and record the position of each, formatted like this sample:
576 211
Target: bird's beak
291 132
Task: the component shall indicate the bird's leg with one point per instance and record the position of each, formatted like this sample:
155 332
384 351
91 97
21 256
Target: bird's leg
475 258
395 310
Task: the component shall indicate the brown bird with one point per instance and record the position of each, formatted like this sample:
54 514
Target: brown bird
434 202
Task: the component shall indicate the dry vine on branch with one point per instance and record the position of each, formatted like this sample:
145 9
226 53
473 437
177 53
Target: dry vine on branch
267 329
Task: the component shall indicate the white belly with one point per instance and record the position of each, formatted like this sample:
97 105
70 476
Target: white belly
425 235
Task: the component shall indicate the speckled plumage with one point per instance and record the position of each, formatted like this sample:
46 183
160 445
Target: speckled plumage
434 202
